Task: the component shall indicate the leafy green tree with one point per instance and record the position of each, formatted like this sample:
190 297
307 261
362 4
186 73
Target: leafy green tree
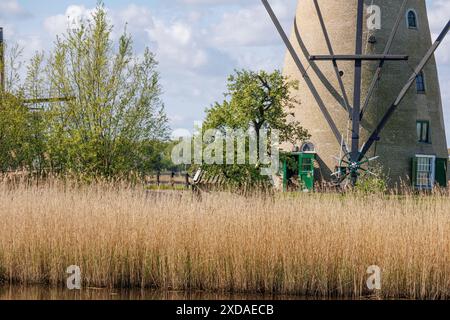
255 100
36 124
156 157
16 151
113 101
13 134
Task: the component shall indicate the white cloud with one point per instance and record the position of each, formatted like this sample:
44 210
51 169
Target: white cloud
71 18
250 26
12 9
136 16
199 42
174 42
439 13
32 45
177 44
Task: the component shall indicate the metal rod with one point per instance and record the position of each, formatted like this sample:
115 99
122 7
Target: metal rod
47 100
359 57
377 74
331 51
315 68
308 81
375 135
2 63
357 88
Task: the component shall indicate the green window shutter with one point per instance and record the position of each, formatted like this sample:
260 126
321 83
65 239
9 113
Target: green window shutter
414 162
441 172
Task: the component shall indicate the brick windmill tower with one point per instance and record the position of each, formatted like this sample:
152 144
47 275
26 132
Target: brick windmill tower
369 88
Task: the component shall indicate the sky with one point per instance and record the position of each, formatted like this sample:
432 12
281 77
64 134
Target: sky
198 43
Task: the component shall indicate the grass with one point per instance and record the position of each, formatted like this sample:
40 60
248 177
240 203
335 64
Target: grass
310 245
166 187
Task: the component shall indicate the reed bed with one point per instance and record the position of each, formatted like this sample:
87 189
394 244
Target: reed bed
316 245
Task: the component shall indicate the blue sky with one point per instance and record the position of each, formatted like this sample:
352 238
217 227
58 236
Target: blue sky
197 42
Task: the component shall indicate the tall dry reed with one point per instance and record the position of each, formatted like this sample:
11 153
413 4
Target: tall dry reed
312 245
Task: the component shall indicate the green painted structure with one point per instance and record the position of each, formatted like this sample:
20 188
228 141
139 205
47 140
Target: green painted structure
298 171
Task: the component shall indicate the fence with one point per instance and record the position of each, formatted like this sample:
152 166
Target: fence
169 179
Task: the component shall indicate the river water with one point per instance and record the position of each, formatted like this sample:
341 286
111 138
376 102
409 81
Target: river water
47 293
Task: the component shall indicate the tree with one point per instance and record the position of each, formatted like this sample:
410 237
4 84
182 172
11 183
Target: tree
156 157
14 136
16 151
114 103
256 100
38 142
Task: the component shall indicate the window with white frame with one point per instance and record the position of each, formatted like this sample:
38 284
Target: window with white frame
425 171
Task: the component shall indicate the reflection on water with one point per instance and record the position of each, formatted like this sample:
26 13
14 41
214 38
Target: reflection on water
46 293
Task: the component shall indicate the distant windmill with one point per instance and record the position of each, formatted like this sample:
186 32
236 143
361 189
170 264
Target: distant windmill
408 141
3 86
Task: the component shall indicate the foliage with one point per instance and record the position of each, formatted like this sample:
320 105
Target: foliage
117 100
14 133
375 183
16 122
155 156
255 100
258 100
110 120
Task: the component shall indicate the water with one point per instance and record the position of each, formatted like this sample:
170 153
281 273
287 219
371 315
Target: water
48 293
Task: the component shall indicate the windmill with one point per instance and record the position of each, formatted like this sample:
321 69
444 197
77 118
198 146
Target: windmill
378 110
3 87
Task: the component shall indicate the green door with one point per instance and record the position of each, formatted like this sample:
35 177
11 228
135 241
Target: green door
441 172
306 170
